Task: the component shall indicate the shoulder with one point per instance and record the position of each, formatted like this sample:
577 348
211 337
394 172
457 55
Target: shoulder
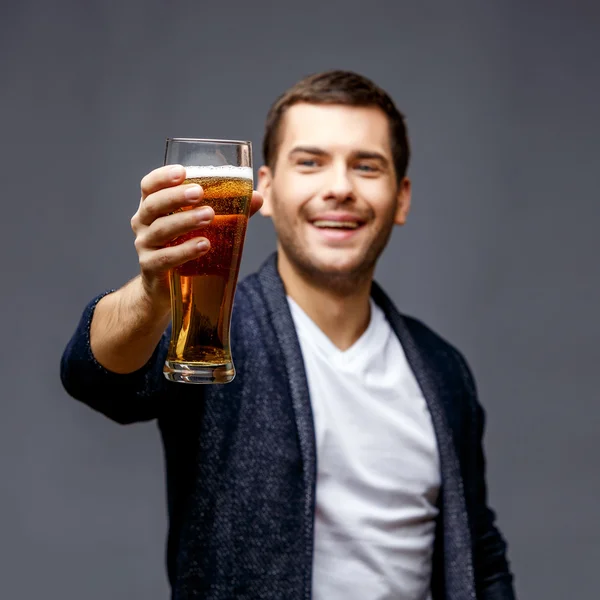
438 348
425 335
426 349
429 339
443 365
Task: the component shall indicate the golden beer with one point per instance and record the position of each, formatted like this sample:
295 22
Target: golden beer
202 289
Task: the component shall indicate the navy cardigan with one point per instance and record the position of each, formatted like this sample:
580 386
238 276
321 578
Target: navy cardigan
241 460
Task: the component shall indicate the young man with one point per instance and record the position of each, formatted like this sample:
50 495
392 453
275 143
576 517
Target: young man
345 460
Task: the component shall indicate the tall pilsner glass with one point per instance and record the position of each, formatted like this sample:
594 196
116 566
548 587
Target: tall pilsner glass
202 289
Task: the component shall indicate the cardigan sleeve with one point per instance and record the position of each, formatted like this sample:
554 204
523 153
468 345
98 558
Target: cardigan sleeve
493 578
124 398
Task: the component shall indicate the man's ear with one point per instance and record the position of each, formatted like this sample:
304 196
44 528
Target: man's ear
403 201
265 180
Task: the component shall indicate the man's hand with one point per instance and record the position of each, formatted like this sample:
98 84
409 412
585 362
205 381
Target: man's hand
160 219
128 324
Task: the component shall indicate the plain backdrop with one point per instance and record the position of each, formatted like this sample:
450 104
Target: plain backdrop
500 254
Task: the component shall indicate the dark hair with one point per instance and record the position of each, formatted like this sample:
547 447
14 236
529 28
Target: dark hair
338 87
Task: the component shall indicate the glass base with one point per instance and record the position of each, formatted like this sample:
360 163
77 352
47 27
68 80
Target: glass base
196 373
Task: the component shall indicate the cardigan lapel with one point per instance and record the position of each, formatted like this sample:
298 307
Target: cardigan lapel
275 299
458 560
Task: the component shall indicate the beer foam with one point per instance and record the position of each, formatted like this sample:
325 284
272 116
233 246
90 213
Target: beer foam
228 171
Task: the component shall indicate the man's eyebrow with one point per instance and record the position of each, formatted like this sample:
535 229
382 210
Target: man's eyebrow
371 155
360 154
308 150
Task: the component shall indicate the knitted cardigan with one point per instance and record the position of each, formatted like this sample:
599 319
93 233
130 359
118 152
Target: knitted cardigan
241 459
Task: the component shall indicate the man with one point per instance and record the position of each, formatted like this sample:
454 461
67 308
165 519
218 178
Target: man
345 460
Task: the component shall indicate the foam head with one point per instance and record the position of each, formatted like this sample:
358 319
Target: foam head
225 171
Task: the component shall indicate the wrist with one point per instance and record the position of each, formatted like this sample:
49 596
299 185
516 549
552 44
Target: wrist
152 305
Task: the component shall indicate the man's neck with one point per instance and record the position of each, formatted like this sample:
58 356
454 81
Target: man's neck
343 317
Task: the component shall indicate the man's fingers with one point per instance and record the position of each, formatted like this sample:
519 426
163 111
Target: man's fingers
161 178
159 261
166 201
167 228
256 203
162 194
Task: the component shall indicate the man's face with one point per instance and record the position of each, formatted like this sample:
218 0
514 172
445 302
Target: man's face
333 195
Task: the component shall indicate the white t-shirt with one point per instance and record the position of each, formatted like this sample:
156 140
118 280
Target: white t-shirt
378 473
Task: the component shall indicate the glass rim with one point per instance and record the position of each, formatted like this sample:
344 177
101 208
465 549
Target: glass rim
187 140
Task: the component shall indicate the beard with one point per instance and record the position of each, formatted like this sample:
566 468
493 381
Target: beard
340 277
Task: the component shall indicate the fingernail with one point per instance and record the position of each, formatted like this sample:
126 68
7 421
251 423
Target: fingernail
176 172
202 245
203 214
193 192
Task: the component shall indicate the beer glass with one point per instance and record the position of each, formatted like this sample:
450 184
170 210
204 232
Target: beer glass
202 289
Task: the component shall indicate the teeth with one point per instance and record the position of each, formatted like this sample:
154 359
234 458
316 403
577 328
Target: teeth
336 224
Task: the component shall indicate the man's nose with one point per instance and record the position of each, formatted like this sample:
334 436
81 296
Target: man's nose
339 184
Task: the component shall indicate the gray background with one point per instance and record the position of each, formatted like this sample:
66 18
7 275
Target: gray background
500 254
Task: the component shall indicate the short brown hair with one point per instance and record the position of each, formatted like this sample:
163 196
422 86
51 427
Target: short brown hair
338 87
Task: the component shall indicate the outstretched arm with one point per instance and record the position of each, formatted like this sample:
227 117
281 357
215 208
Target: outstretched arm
114 360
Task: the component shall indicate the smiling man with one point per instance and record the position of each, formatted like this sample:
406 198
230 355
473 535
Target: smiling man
334 192
345 460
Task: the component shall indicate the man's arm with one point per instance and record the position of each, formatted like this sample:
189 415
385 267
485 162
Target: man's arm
493 578
124 398
127 325
114 360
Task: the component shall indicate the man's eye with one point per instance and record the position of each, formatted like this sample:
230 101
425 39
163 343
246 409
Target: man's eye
367 168
308 162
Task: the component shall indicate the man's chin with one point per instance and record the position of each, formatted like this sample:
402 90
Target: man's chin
329 269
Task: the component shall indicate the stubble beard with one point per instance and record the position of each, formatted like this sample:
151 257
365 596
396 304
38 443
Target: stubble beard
339 281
